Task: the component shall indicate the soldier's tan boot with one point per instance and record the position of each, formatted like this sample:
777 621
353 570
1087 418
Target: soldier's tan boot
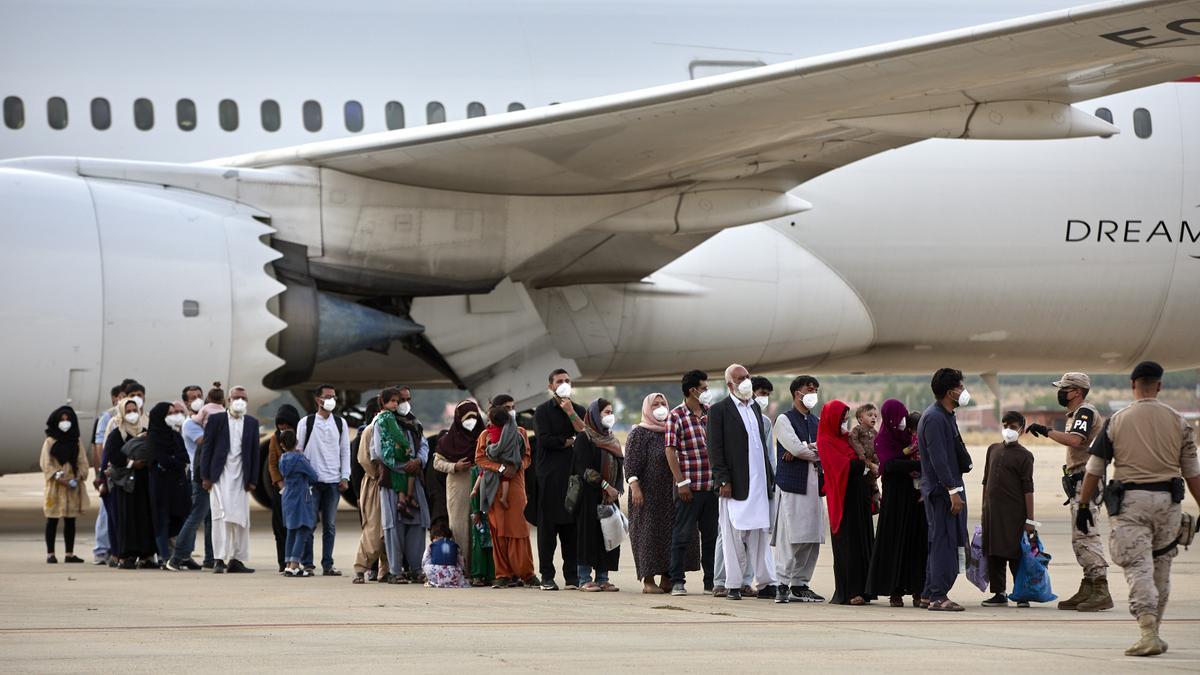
1084 592
1149 644
1099 600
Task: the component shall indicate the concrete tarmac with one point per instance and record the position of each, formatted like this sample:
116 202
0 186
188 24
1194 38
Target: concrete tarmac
82 618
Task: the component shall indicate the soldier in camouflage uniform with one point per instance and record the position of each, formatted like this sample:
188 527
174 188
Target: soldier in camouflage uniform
1153 453
1083 423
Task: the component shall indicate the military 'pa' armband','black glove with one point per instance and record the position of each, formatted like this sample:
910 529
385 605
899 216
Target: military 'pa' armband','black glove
1084 519
1039 429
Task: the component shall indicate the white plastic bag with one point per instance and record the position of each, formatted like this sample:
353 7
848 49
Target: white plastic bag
613 525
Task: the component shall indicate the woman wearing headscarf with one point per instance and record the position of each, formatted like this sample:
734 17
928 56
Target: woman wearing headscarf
901 542
134 525
170 494
848 498
512 553
598 464
454 457
65 466
286 418
652 498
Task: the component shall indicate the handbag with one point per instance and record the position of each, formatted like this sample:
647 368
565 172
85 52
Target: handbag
574 487
614 526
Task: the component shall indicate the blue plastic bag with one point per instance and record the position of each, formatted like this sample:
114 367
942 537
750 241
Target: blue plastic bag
977 565
1033 576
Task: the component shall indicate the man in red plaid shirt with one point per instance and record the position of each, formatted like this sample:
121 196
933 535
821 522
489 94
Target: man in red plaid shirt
695 500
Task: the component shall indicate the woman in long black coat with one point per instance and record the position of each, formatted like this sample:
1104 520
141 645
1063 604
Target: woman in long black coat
170 492
598 464
902 540
135 526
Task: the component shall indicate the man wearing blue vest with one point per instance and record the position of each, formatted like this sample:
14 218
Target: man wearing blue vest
800 521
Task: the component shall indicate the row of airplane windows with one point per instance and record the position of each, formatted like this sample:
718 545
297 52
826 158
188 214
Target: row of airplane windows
228 116
311 115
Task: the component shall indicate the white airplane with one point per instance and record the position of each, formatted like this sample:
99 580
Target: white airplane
279 203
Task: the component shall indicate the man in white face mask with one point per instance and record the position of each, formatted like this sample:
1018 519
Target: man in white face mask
800 517
230 471
556 423
696 501
737 443
942 469
325 440
1007 505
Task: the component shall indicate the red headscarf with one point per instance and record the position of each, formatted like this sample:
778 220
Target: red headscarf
833 447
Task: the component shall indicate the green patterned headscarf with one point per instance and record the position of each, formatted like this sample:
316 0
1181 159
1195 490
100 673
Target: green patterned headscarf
394 447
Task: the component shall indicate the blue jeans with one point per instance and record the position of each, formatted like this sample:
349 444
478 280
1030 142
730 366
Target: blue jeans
102 548
327 496
585 575
185 541
297 539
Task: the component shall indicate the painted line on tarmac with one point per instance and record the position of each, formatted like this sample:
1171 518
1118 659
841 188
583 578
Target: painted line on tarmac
716 621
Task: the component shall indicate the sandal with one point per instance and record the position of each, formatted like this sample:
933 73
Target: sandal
358 579
896 601
857 601
478 583
946 605
609 588
923 604
591 587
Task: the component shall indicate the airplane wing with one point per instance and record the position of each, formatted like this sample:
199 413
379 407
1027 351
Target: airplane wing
780 125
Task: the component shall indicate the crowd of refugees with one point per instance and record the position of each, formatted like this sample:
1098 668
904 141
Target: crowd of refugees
716 487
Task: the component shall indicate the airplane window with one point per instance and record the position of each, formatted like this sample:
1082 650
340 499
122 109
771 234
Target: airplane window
1141 123
270 115
143 114
185 114
312 116
14 112
476 109
354 116
227 114
101 114
514 106
56 112
393 114
435 113
1106 115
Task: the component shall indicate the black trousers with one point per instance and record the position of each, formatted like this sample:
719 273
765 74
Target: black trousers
996 566
701 512
68 534
277 525
565 533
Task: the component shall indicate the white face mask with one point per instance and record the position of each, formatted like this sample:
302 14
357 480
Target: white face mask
903 423
329 404
846 426
132 417
563 390
404 408
608 421
1010 435
964 398
238 406
810 401
64 426
175 420
744 389
139 401
196 405
706 397
762 402
661 413
512 414
469 424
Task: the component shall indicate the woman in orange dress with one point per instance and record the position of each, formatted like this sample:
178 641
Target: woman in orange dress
511 550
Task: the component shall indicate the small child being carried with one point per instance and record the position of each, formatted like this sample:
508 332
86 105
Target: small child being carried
862 439
506 449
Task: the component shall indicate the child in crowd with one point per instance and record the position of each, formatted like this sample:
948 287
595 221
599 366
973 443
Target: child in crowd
862 439
912 451
1007 506
443 561
299 507
483 567
504 453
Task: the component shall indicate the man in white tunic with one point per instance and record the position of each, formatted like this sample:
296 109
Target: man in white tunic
737 448
230 471
800 520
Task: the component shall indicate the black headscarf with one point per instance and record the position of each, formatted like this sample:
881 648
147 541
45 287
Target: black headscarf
458 443
161 437
287 414
66 445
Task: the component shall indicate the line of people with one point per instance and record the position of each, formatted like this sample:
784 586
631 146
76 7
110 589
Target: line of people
717 487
